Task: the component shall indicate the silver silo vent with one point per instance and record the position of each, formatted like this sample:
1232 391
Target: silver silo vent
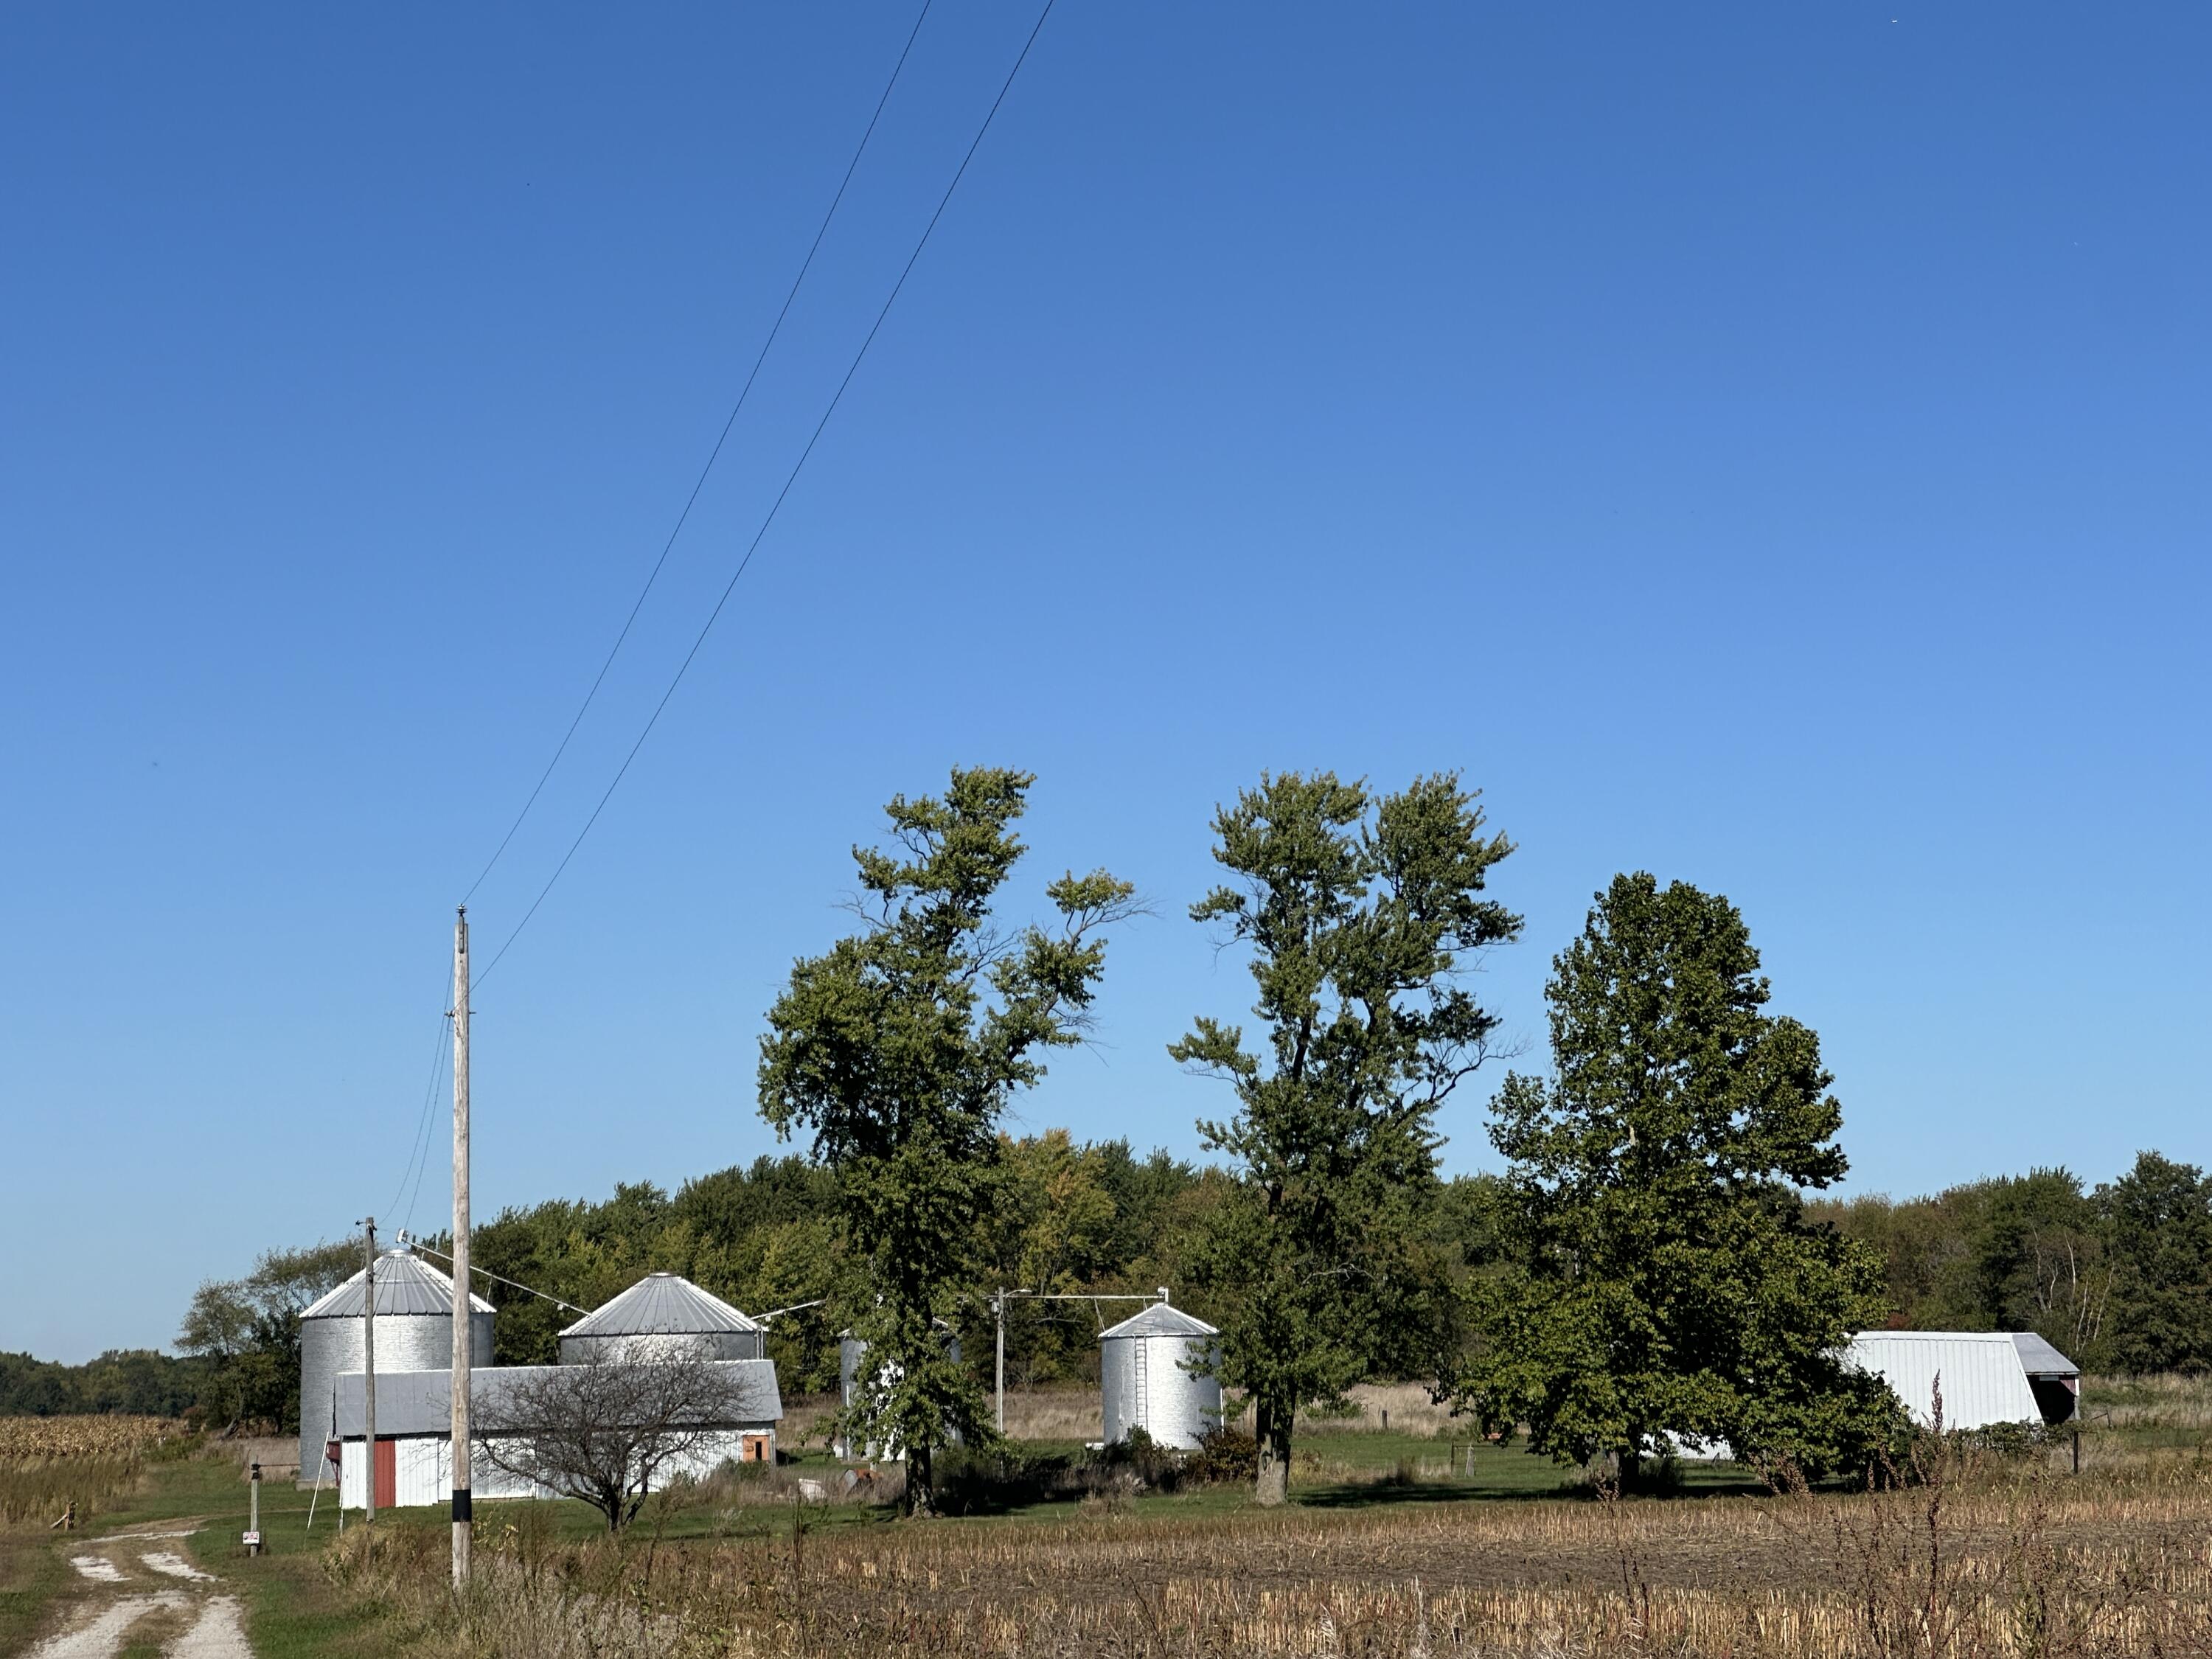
1143 1383
661 1317
414 1332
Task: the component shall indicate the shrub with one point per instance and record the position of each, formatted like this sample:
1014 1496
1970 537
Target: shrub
1226 1456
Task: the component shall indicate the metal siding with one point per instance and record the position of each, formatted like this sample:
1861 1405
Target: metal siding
1117 1389
329 1347
422 1469
1982 1379
421 1402
1143 1384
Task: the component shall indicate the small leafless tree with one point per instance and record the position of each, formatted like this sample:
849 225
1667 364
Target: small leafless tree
605 1430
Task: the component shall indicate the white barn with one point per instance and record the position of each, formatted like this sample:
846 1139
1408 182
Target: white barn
414 1438
1987 1377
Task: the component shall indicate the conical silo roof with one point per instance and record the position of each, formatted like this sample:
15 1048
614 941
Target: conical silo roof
405 1284
662 1304
1159 1320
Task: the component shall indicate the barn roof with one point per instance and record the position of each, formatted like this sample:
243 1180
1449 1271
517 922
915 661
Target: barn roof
421 1402
2039 1358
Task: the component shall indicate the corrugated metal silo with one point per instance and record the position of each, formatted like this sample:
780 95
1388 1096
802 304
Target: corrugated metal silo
414 1332
1142 1383
662 1316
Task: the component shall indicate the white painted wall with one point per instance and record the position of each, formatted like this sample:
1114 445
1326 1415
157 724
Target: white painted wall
422 1467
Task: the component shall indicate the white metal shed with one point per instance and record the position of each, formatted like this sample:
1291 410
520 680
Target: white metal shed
1987 1377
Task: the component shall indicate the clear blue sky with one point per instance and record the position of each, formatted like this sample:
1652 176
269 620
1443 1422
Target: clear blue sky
1765 445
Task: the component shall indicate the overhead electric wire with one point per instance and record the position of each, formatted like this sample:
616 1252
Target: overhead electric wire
714 454
512 1284
419 1146
422 1155
774 508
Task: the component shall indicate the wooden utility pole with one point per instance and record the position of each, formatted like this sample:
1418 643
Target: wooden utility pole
369 1373
463 1325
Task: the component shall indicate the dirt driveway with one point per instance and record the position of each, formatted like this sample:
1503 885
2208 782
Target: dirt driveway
139 1586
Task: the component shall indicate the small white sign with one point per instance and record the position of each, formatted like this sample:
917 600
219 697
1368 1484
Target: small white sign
254 1540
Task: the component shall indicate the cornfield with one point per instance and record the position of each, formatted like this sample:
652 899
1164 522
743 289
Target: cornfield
51 1464
24 1438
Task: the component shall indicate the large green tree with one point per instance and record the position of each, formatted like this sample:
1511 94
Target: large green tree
1671 1284
899 1051
246 1332
2160 1219
1361 918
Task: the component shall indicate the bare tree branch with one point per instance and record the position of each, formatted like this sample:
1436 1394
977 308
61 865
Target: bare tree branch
604 1430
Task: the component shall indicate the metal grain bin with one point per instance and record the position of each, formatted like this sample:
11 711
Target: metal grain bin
662 1316
1144 1383
414 1332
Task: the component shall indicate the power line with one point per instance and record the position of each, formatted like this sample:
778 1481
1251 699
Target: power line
418 1147
713 455
512 1284
797 467
429 1123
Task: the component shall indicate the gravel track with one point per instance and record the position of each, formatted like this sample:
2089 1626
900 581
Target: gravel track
115 1569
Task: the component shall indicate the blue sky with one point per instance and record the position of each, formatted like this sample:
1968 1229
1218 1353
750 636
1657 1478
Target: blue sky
1763 445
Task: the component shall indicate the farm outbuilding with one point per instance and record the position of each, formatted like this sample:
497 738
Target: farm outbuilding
1987 1377
414 1332
663 1316
1146 1378
415 1448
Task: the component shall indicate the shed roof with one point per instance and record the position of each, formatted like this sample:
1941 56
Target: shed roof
2039 1358
661 1304
421 1402
405 1284
1159 1320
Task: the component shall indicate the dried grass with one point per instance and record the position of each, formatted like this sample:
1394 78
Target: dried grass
49 1464
1983 1560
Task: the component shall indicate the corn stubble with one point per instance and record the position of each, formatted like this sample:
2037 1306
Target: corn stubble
1970 1561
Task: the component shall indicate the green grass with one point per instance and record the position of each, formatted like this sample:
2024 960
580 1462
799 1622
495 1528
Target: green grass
32 1575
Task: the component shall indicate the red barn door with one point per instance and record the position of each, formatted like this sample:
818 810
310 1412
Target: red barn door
386 1464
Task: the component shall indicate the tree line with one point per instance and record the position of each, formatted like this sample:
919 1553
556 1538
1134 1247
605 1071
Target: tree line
2115 1275
1656 1260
